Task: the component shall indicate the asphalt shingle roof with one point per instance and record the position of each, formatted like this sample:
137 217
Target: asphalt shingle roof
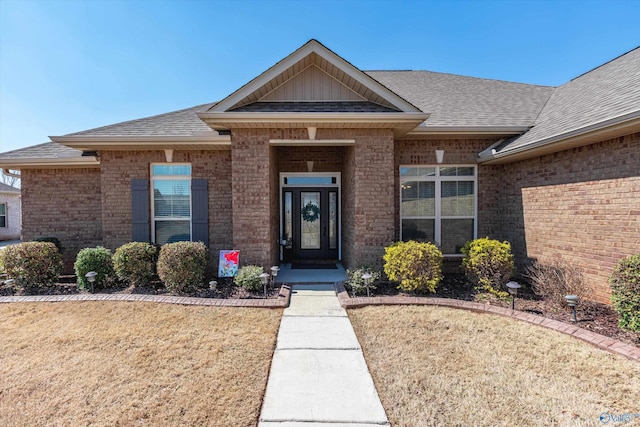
456 100
48 150
609 91
606 92
4 188
176 123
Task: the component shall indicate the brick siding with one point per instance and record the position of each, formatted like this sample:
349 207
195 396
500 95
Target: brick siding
63 203
579 205
118 168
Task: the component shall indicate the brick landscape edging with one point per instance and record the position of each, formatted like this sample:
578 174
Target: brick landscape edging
614 346
281 302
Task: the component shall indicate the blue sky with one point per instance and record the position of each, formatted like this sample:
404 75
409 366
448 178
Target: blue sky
70 65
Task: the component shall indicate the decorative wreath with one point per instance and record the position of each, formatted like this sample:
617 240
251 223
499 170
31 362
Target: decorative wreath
310 212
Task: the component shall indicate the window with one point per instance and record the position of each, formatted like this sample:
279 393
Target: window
438 205
171 203
3 215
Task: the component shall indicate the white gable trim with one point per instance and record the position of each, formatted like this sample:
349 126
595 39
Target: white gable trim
313 46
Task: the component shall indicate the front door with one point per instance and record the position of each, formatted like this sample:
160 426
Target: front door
311 222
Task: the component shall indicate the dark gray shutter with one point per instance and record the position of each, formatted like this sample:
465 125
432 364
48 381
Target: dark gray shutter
200 211
140 210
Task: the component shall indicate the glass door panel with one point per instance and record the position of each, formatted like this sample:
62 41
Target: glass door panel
310 210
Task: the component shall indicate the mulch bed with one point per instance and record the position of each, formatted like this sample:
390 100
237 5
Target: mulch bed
593 316
225 289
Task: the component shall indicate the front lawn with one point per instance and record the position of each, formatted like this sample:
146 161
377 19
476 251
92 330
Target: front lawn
437 366
119 363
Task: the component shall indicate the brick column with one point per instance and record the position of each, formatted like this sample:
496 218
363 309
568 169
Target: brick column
373 196
252 196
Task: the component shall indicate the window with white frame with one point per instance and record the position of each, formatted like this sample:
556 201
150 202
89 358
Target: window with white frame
438 205
171 202
3 215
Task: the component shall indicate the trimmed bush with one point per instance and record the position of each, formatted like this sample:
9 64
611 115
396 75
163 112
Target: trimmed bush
488 264
96 259
182 265
248 277
135 262
32 264
416 266
556 279
625 287
53 240
355 282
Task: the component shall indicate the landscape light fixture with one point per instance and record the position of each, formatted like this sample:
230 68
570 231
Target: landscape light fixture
264 277
274 270
91 277
213 284
367 281
572 301
513 287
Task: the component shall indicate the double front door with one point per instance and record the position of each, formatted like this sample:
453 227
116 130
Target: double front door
310 223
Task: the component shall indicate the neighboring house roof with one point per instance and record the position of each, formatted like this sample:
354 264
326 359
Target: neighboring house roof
461 101
4 188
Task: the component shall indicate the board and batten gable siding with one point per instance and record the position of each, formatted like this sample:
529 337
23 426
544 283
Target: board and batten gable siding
312 84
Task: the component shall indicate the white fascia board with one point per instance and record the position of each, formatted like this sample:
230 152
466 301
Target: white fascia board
312 142
629 122
141 142
186 140
25 163
469 130
316 47
255 117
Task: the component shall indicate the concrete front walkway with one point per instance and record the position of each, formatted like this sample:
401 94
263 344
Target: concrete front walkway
318 375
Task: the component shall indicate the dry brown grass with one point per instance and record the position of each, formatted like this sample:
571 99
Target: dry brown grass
110 364
435 366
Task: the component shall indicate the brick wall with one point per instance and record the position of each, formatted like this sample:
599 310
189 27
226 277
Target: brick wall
580 205
63 203
254 198
368 195
118 168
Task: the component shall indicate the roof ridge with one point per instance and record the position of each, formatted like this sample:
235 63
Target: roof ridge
459 75
602 65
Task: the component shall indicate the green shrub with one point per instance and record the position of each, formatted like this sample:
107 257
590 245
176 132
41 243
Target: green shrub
96 259
182 265
53 240
416 266
355 282
488 264
248 277
32 264
135 262
625 287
